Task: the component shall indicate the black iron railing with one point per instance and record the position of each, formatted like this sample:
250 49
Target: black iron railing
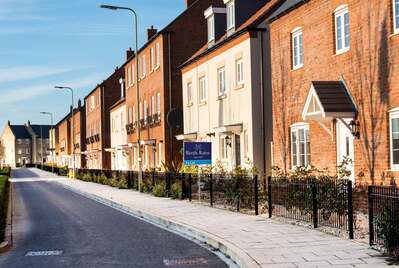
384 217
320 202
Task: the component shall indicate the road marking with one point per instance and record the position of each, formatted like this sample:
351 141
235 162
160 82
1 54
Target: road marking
44 253
184 262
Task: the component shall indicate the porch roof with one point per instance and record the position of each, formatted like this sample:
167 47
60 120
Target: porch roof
328 100
187 137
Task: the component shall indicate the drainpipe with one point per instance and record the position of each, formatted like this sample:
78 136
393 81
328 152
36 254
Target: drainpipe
170 96
262 88
102 125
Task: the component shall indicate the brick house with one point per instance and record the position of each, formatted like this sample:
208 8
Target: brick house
98 135
160 84
334 79
40 142
226 86
63 138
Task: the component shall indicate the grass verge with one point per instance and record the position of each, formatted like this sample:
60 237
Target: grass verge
4 185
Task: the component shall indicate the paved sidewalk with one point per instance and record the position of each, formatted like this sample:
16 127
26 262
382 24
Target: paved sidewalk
251 241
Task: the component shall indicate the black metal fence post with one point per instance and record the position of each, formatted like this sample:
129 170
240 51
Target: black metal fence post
183 192
269 196
256 195
350 210
314 202
211 189
153 179
238 194
168 184
190 182
371 215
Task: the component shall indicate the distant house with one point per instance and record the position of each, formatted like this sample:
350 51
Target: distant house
23 144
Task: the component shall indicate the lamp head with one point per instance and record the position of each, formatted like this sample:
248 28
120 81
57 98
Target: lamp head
109 7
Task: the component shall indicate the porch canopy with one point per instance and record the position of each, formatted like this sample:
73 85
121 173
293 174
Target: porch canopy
230 129
328 100
187 137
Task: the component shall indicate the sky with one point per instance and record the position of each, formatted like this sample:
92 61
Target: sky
73 43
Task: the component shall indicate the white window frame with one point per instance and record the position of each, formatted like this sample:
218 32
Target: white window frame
296 128
393 114
133 75
159 103
158 56
239 72
129 76
152 104
339 14
211 29
152 59
395 14
297 48
189 93
159 154
230 16
202 94
143 67
222 85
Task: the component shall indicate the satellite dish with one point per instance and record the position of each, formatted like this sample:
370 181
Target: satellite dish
175 118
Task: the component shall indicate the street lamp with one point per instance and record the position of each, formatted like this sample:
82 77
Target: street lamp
72 126
52 129
137 82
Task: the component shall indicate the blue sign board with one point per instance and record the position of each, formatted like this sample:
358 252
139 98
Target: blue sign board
197 153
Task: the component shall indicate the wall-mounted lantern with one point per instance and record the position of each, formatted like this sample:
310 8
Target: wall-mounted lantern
355 128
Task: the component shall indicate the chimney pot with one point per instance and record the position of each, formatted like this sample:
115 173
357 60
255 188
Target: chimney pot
129 53
151 32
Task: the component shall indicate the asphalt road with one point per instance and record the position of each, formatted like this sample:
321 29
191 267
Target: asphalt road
74 231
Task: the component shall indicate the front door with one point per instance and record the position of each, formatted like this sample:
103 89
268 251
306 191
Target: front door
345 149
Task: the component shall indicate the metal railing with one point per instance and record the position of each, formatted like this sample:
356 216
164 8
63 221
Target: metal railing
319 202
384 217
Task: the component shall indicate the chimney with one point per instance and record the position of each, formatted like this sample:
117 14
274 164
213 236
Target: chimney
151 32
28 122
129 53
189 2
79 103
9 123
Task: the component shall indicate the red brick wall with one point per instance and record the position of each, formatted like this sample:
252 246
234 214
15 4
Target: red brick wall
366 67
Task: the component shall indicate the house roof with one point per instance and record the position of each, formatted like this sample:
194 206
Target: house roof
286 7
42 129
249 24
20 132
334 96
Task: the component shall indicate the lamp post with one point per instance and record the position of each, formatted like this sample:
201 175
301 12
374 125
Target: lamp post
137 82
51 131
72 126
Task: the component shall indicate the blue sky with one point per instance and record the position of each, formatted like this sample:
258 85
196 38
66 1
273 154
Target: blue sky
65 42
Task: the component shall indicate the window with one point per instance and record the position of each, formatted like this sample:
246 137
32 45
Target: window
133 75
143 66
19 151
211 29
152 104
394 143
152 59
158 52
27 150
230 15
141 110
159 154
133 114
189 93
92 103
202 89
145 110
130 115
129 76
222 81
122 121
239 72
159 103
396 16
225 144
297 49
19 141
246 148
27 141
300 145
341 29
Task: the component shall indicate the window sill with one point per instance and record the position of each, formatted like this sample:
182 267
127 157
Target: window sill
202 103
157 67
297 68
190 104
239 86
342 51
395 33
222 97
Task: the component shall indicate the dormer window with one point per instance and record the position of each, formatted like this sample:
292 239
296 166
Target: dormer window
230 15
211 29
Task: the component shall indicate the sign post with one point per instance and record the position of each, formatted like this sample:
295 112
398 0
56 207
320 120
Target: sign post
198 154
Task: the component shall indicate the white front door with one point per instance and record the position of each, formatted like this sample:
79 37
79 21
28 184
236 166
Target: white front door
345 148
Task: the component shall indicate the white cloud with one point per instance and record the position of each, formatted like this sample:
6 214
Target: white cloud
26 93
21 73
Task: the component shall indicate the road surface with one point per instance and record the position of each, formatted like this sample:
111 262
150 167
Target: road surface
54 227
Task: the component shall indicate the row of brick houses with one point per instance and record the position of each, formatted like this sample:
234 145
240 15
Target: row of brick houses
284 83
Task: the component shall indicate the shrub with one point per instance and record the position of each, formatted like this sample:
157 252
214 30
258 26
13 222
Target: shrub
3 204
122 183
388 228
176 191
63 171
159 190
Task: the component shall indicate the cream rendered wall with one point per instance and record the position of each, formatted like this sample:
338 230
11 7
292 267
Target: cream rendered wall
235 108
120 157
8 140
